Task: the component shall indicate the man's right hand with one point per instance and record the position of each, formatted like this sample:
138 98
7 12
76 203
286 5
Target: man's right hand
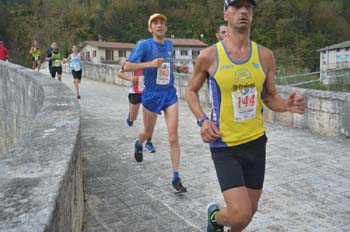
209 131
156 63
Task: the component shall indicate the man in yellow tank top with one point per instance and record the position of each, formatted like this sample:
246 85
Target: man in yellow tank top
240 77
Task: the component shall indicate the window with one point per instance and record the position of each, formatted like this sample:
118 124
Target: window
183 52
324 52
347 58
122 53
338 59
88 56
195 54
346 49
94 54
109 55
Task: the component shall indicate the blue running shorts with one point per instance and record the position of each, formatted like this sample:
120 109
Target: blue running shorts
156 101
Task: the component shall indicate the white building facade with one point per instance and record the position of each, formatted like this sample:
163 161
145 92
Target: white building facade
333 58
106 52
185 51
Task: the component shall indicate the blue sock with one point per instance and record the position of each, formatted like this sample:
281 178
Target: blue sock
138 144
175 175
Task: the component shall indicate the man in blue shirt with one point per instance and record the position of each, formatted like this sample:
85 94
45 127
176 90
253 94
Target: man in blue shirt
155 57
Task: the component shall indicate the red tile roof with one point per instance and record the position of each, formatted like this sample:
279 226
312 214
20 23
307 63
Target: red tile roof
345 44
176 41
188 42
103 44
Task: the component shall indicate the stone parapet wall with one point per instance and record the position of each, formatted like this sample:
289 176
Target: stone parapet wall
19 103
41 175
328 112
107 73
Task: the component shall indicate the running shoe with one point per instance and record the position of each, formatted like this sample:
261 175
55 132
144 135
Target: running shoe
177 186
129 122
138 151
149 147
78 97
212 225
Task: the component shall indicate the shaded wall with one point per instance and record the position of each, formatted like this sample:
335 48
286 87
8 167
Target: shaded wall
21 97
41 177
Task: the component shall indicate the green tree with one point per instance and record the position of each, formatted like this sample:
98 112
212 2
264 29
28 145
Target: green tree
293 29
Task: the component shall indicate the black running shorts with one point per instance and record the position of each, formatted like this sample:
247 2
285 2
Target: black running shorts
242 165
135 98
77 74
55 70
36 60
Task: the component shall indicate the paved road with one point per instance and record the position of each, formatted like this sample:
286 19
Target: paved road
307 184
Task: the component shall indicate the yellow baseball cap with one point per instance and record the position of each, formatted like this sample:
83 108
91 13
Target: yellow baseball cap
154 16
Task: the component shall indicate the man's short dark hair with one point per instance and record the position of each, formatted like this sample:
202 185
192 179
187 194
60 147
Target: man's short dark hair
219 27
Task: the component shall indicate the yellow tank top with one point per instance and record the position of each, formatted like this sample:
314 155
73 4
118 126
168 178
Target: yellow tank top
235 90
36 53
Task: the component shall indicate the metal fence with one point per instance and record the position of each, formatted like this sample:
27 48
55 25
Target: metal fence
333 80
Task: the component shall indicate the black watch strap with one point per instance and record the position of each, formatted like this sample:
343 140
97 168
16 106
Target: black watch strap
178 69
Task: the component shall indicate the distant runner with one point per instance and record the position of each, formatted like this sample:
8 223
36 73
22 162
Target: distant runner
35 54
221 32
3 51
76 66
135 95
56 58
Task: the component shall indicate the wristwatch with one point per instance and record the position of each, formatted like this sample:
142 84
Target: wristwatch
201 120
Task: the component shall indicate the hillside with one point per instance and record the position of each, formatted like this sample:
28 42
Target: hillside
293 29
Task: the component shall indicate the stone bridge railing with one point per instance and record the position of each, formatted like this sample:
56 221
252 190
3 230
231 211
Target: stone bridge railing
40 167
328 112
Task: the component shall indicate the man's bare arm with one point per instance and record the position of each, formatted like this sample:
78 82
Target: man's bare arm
130 66
202 69
294 103
195 83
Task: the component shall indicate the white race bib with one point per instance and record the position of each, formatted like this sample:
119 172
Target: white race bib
163 74
77 67
57 63
244 103
141 84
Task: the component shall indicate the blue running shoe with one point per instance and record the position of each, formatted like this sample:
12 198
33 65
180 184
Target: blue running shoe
177 186
138 151
129 122
212 226
149 147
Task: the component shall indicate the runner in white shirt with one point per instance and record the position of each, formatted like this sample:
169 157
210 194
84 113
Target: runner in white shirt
76 66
